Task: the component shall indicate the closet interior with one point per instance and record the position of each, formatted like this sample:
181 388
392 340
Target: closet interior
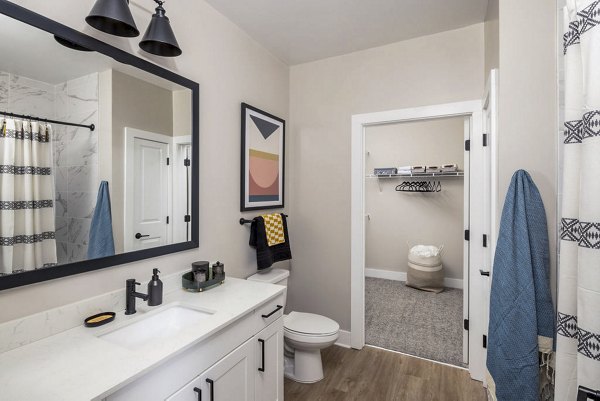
415 203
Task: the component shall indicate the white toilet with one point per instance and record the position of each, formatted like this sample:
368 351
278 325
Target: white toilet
305 335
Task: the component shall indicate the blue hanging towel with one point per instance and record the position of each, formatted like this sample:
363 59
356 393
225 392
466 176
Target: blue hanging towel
101 243
521 312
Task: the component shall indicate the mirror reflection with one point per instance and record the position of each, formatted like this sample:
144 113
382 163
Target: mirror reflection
70 191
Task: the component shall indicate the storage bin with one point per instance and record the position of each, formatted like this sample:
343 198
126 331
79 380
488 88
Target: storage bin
425 269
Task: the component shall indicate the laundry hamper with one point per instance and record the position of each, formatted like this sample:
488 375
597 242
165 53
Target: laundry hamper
425 270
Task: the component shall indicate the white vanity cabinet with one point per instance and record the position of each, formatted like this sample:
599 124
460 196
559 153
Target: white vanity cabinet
232 378
268 385
241 362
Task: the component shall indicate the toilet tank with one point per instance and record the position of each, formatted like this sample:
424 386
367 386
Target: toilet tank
273 276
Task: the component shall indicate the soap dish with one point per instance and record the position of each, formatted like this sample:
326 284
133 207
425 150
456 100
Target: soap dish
187 281
99 319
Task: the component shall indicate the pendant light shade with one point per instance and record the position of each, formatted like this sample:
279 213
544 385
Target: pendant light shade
71 45
159 38
113 17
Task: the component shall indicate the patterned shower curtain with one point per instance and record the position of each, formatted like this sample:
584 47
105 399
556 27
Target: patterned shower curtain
27 237
578 331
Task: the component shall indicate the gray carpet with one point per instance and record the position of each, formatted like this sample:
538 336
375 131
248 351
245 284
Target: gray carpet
414 322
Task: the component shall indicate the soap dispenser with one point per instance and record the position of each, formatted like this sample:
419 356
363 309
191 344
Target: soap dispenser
155 289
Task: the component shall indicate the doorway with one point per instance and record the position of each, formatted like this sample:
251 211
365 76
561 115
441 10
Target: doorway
473 223
417 215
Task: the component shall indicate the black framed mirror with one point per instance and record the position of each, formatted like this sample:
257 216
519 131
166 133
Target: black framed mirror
100 153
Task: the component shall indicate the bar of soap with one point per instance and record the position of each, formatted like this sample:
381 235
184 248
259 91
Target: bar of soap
99 319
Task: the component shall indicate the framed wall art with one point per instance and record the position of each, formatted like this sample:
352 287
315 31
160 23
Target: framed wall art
263 160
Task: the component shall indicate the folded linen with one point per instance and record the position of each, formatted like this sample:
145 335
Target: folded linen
449 168
433 169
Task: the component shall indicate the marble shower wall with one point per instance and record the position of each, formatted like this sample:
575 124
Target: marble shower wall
76 166
75 150
27 96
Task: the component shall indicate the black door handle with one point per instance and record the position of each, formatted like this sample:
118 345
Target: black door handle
212 389
139 235
262 346
197 390
484 273
279 307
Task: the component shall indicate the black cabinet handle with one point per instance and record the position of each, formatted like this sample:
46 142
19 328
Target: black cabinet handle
484 273
212 389
262 347
139 235
279 307
197 390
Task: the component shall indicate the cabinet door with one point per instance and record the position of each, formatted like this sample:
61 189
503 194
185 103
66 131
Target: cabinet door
230 379
269 362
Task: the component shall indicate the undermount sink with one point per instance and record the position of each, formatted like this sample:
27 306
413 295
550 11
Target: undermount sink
168 321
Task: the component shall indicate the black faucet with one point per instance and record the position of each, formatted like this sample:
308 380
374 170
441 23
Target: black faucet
131 294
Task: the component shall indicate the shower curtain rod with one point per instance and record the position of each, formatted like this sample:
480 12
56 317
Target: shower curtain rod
91 127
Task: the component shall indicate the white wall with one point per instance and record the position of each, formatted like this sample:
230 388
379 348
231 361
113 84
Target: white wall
230 68
398 218
492 37
528 105
441 68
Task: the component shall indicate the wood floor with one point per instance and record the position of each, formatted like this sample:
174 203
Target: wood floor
377 375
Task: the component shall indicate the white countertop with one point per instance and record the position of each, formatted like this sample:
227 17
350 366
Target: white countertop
77 365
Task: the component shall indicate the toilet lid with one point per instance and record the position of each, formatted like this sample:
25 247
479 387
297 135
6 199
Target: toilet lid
309 323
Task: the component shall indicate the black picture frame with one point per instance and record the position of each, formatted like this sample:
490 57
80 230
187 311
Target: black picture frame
55 28
243 173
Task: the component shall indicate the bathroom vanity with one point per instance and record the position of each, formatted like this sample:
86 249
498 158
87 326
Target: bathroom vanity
222 345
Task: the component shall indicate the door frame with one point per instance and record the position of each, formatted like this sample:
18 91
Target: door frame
130 135
360 122
179 181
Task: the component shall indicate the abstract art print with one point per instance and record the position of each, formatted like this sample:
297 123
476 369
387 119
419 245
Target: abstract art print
263 160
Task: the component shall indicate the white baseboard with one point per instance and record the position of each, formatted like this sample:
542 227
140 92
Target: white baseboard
401 276
343 339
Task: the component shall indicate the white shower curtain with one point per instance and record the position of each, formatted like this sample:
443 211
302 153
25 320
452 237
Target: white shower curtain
578 325
27 237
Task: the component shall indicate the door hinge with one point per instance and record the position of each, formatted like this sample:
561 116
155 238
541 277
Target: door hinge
484 341
485 139
468 145
187 218
466 324
168 161
484 240
186 162
467 235
167 219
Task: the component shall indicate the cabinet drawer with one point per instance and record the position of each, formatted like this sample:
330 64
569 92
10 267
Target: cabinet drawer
268 312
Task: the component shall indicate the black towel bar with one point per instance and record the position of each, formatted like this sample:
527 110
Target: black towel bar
246 221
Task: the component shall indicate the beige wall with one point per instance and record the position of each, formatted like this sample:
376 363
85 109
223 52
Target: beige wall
398 218
182 113
528 115
132 99
441 68
230 68
492 36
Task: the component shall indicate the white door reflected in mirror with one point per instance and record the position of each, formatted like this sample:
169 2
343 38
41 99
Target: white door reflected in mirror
148 186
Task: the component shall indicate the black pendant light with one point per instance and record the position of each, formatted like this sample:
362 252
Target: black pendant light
113 17
159 38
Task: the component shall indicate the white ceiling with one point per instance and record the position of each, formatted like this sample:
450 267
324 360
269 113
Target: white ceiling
306 30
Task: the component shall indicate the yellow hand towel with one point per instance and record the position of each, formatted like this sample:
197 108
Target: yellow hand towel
274 228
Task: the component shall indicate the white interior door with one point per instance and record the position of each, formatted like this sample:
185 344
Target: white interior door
490 193
466 242
147 183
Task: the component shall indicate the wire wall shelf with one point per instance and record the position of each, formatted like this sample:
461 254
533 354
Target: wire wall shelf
438 185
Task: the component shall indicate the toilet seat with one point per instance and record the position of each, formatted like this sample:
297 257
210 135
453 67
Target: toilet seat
301 324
